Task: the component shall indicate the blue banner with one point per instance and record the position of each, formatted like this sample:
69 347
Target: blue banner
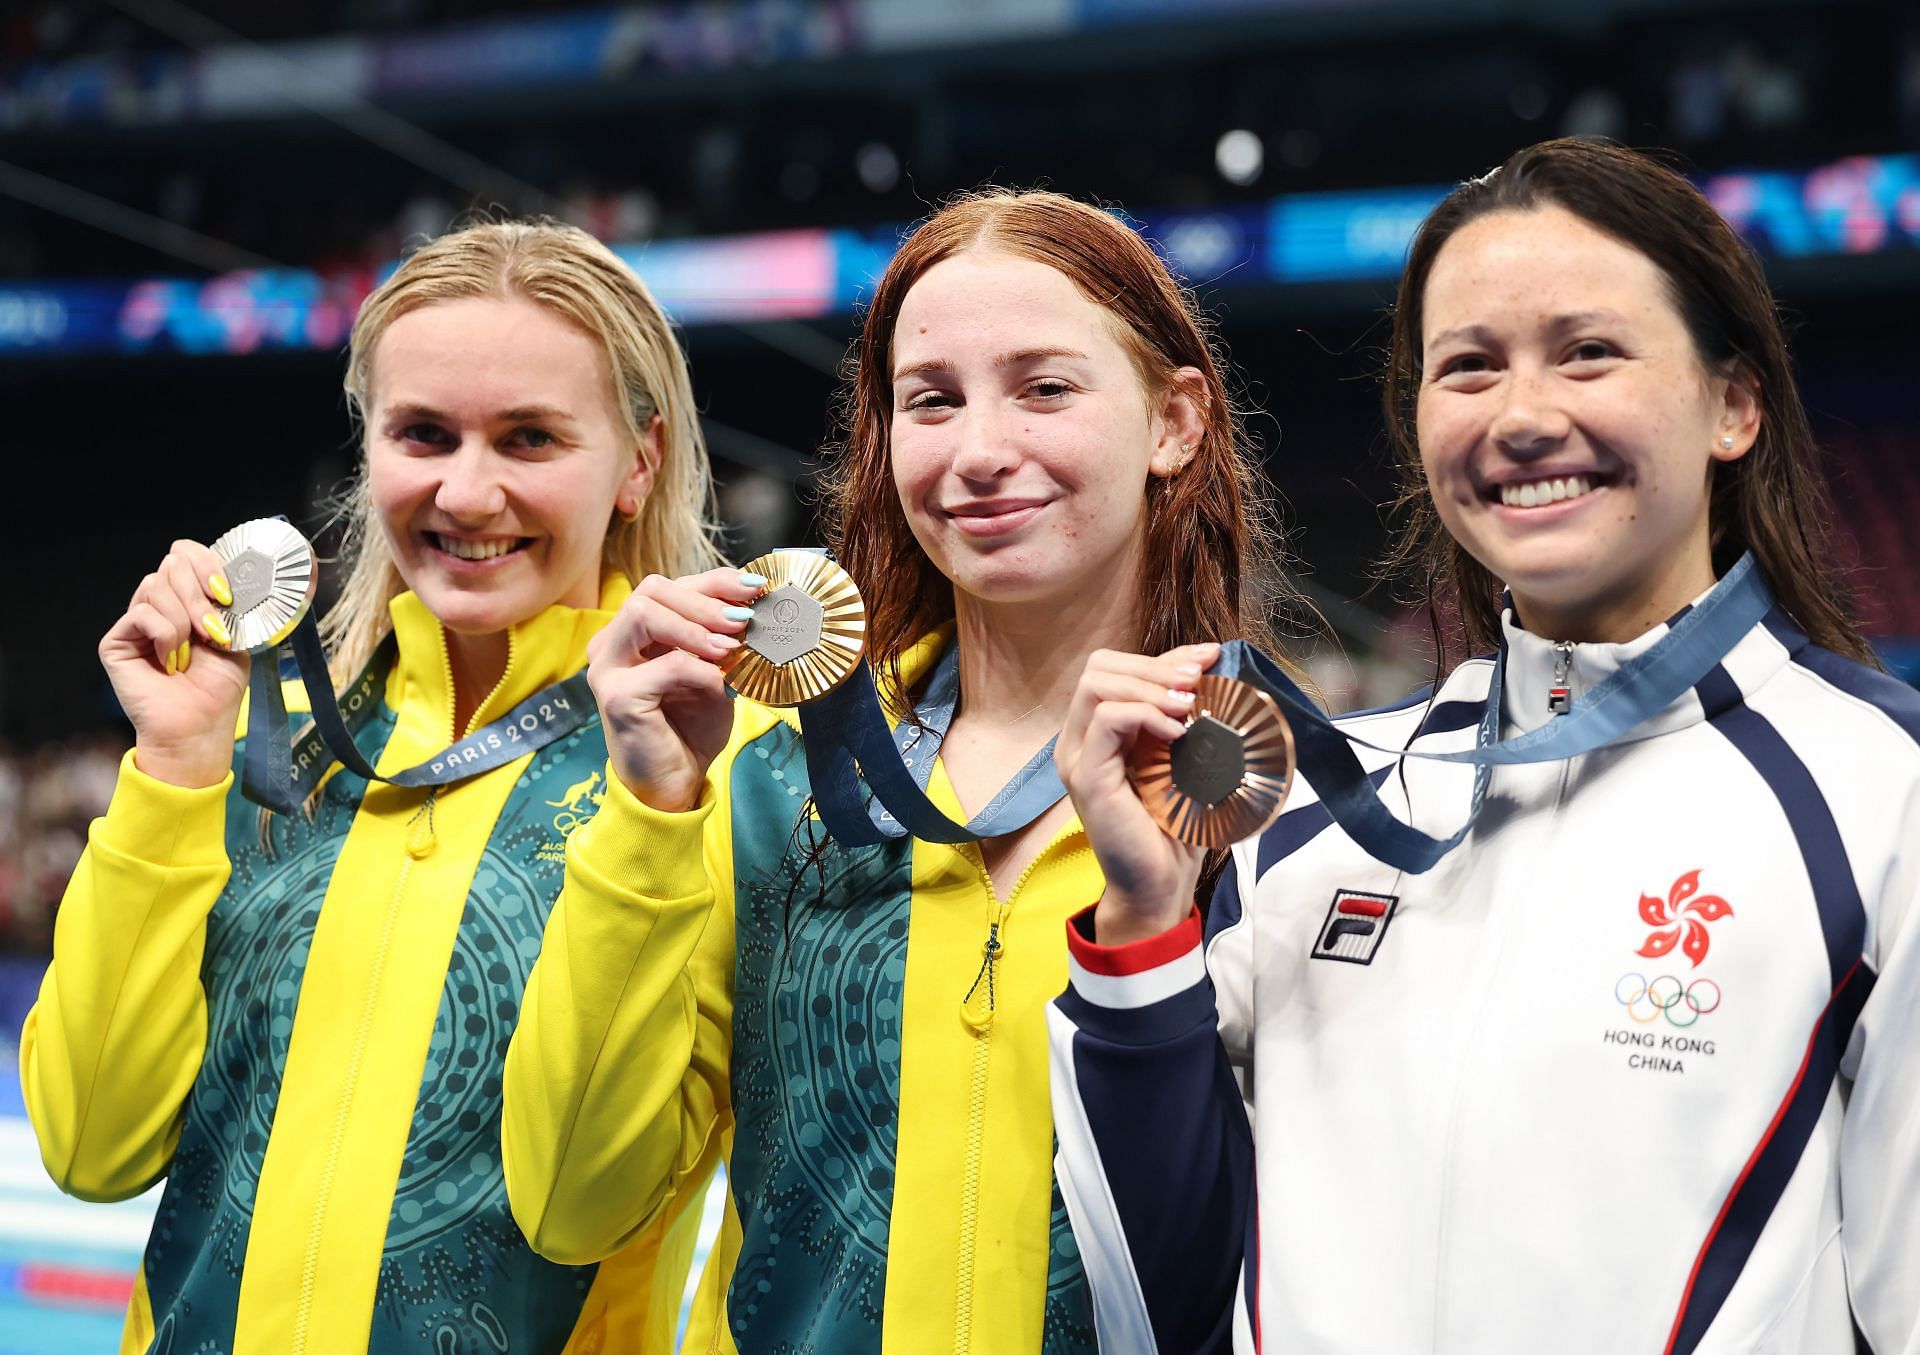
1321 237
1864 205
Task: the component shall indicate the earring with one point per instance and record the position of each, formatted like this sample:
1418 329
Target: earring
1727 443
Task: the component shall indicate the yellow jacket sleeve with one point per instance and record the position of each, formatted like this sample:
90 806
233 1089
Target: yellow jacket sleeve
112 1046
616 1080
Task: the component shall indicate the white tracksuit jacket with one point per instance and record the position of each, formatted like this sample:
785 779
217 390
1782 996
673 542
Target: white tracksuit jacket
1636 1068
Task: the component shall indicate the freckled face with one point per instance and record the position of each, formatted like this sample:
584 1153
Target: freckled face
1022 435
1566 422
495 455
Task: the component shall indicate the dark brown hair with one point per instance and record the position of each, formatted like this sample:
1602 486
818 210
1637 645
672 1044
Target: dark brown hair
1207 535
1772 501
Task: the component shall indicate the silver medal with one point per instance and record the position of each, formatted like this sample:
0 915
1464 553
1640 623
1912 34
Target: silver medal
271 569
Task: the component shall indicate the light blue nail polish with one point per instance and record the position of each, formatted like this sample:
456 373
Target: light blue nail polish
739 613
749 580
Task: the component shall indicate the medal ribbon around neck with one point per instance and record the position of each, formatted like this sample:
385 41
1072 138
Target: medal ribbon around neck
847 740
804 648
1635 692
849 743
270 619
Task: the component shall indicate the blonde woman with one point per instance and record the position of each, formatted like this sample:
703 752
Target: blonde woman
302 1029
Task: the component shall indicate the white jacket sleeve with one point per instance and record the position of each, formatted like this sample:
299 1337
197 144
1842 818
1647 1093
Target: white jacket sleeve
1880 1145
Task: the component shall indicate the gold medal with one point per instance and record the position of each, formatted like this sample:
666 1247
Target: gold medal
271 568
1227 777
808 631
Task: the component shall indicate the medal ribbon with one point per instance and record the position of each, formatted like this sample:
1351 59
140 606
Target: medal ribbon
848 739
280 774
1620 703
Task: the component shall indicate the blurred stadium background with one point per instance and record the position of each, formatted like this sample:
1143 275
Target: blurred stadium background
195 196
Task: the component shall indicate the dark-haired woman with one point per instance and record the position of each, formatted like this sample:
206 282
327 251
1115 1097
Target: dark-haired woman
1041 460
1634 1067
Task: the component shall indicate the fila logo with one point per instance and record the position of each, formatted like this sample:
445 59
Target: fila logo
1355 926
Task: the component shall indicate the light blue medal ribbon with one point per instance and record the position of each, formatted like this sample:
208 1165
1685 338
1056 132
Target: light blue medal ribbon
847 740
279 774
849 743
1620 703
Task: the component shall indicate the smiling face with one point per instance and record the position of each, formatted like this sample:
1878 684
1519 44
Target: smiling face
1022 435
1568 426
496 458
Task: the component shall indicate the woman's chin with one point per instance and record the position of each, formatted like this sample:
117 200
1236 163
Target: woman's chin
1054 569
1560 572
1020 587
473 612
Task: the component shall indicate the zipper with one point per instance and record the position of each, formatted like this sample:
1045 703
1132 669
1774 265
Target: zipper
453 700
977 1011
453 696
970 1178
977 1007
1560 695
311 1262
421 840
1495 928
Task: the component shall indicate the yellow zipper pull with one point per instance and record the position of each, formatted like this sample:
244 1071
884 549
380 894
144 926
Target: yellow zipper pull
977 1007
421 838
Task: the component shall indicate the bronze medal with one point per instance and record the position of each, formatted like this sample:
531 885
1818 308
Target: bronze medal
271 568
1227 777
808 631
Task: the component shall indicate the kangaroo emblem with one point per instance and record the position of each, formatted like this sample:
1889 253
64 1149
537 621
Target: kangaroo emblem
579 795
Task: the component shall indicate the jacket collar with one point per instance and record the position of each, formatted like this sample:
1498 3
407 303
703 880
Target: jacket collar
542 650
1530 662
916 664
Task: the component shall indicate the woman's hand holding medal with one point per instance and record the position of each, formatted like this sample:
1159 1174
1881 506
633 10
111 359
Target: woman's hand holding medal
655 673
168 660
1122 701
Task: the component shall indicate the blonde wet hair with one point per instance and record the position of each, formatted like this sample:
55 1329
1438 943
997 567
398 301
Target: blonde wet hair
570 273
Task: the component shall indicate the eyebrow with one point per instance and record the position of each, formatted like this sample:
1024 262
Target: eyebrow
1558 324
535 414
1015 359
518 414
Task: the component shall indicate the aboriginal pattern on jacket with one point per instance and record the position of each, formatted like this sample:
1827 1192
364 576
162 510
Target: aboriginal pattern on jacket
819 985
456 1276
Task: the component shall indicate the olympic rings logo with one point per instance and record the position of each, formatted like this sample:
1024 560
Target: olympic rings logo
1682 1004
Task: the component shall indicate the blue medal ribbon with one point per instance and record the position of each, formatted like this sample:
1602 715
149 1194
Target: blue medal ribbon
1620 703
849 743
847 739
279 774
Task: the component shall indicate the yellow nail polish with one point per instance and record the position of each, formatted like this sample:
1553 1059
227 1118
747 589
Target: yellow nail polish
173 659
217 630
217 586
186 654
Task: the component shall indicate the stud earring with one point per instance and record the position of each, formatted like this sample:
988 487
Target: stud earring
1727 443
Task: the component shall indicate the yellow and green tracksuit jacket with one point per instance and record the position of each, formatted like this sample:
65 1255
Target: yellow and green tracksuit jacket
885 1096
306 1039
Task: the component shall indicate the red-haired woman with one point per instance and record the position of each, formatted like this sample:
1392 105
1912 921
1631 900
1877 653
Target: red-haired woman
1040 460
1633 1068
